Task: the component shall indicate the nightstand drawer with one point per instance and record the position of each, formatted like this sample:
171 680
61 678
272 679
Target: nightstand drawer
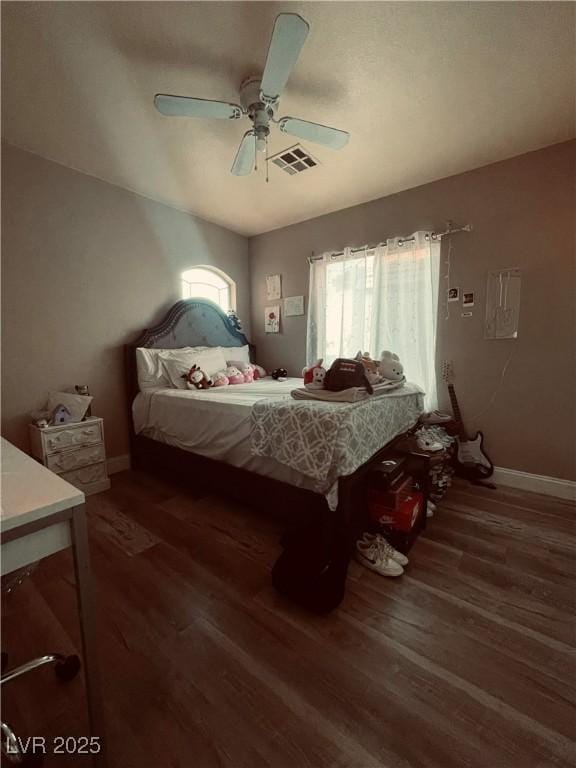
69 437
88 478
76 458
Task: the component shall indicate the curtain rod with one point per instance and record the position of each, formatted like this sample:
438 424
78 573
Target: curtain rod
450 230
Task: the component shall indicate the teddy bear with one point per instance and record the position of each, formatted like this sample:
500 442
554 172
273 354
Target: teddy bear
314 375
234 375
390 367
370 366
220 379
196 378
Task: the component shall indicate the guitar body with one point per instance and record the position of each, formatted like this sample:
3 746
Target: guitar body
471 461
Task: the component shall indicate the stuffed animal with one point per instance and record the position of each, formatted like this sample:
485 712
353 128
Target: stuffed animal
370 366
234 375
390 367
280 374
196 378
314 375
247 370
257 371
220 379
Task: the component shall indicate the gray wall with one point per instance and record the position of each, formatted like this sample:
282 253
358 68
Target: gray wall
522 211
85 266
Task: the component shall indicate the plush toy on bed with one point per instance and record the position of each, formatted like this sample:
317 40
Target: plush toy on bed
247 370
390 367
370 366
314 375
220 379
250 371
196 378
235 375
279 374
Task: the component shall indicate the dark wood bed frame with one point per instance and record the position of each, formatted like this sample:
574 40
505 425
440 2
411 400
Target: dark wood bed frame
197 322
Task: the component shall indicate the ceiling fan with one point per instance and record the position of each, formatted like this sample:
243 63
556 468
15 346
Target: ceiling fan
259 99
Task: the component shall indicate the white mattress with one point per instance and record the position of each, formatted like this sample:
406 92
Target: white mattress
215 423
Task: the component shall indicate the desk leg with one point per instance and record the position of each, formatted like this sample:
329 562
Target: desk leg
87 625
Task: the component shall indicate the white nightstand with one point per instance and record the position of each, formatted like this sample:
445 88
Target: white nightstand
75 452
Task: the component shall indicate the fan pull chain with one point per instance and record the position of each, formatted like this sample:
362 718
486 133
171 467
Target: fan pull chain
255 152
267 179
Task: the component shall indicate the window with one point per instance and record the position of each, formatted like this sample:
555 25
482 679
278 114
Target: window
209 283
385 298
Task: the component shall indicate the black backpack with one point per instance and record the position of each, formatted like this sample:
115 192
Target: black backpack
313 567
345 373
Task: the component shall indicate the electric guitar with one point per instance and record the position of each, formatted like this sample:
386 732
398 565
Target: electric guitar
471 461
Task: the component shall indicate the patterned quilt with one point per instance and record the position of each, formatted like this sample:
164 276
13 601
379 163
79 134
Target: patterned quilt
328 440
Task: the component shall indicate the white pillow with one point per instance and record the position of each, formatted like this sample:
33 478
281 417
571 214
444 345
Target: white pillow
210 360
149 365
239 354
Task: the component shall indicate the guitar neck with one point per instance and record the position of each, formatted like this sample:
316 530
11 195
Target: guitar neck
456 411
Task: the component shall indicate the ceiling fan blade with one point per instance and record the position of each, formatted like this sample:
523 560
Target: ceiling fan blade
185 106
319 134
288 37
244 161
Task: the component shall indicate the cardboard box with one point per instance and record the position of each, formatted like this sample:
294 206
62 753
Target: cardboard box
401 518
393 496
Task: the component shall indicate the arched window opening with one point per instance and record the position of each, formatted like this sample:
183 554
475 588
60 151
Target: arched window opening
209 283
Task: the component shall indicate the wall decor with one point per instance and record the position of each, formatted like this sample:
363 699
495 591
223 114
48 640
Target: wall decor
453 294
468 299
503 303
293 305
272 319
273 287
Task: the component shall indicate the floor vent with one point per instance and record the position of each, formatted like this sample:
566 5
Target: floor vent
294 160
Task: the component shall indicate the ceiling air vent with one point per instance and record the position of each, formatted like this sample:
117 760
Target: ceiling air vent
294 160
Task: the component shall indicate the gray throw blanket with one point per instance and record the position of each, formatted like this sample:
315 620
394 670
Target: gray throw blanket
352 395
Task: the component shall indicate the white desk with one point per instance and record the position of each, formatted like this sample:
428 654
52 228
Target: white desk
41 514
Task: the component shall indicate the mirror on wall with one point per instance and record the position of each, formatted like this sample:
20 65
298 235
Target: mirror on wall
503 303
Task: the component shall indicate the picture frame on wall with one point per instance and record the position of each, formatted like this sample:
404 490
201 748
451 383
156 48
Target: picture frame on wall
293 306
453 294
272 319
273 287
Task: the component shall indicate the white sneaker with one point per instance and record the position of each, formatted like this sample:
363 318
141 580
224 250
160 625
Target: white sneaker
369 538
425 444
435 417
372 556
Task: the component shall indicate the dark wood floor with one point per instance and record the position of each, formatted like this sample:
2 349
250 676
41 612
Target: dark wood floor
466 661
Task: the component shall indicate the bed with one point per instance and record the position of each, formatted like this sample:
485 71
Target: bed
235 437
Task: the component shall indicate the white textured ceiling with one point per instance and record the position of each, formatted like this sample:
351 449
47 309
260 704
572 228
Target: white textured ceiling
425 89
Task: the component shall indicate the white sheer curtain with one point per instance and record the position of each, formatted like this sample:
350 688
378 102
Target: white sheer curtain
383 298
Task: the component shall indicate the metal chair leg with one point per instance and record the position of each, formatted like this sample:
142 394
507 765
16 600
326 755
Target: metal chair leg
66 667
10 748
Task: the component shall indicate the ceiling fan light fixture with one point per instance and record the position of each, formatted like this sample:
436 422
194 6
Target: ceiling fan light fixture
259 101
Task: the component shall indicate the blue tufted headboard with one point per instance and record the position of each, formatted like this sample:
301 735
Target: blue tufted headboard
189 323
